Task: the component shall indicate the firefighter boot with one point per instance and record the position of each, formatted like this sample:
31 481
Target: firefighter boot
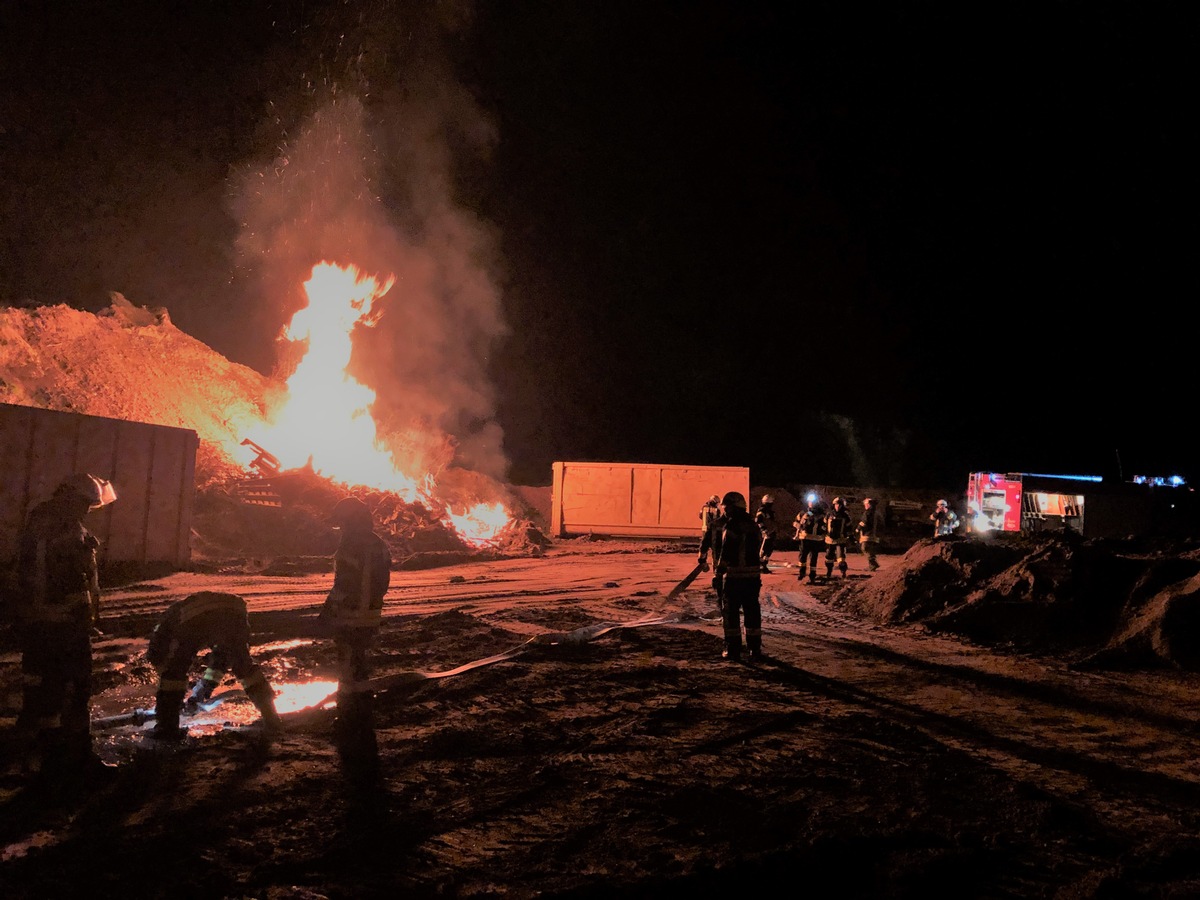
167 705
843 568
801 573
828 571
262 695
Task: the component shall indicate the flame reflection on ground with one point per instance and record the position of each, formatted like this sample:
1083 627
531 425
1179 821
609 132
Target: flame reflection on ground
291 697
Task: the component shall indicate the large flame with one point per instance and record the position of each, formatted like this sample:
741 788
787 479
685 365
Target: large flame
325 421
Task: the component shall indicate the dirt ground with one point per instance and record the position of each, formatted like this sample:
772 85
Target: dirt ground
555 725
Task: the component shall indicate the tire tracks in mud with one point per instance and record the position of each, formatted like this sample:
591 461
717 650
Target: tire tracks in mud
1121 748
1123 753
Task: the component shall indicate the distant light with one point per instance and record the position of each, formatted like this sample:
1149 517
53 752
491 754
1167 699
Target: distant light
811 498
1159 480
1095 478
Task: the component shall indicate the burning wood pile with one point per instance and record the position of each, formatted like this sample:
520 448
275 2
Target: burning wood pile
277 452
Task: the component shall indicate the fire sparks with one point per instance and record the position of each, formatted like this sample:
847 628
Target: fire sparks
325 419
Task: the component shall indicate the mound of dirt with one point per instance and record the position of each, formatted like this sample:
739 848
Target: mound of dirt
1104 603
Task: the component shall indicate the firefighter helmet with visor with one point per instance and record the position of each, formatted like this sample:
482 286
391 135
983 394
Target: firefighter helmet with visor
734 499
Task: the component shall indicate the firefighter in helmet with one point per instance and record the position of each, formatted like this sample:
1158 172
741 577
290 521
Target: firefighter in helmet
738 565
710 516
351 615
810 532
709 513
55 604
838 529
944 519
765 520
868 533
212 620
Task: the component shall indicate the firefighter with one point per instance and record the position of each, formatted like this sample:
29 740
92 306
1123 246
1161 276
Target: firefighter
351 614
868 533
944 520
709 513
810 532
212 620
765 520
711 519
54 605
837 534
737 562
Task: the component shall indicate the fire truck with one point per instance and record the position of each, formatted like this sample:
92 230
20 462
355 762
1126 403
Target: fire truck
1086 505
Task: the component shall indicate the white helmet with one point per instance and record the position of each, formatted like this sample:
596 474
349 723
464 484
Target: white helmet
97 492
942 503
768 498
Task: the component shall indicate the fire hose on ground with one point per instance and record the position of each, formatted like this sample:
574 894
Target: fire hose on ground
388 682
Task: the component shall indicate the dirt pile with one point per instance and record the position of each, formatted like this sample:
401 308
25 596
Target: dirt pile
1103 603
130 363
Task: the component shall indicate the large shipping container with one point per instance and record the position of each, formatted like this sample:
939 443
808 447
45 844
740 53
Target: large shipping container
152 468
637 499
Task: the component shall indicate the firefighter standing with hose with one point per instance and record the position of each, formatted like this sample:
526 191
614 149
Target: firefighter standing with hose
351 615
735 544
54 604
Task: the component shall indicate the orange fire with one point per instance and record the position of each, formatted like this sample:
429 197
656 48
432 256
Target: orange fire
325 418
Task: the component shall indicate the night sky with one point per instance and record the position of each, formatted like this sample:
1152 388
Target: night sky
875 244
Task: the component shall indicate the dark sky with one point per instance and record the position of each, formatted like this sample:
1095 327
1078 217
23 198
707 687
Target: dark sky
876 244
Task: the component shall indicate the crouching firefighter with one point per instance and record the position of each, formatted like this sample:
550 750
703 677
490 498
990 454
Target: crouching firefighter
739 566
212 620
351 615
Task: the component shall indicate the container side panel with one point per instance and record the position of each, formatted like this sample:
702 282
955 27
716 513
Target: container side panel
684 490
163 497
644 505
135 452
16 440
595 497
52 454
637 499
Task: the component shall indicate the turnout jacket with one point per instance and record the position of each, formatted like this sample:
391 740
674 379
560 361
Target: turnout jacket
868 525
735 540
362 570
204 619
57 581
810 525
837 526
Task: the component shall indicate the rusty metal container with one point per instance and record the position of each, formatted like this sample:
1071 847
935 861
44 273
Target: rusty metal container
152 467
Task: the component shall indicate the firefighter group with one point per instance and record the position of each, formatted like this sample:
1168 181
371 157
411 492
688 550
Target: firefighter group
54 601
742 546
53 607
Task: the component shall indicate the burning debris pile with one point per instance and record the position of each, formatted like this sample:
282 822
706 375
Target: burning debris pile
132 363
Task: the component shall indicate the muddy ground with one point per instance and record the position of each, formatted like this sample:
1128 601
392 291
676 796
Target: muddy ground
556 726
